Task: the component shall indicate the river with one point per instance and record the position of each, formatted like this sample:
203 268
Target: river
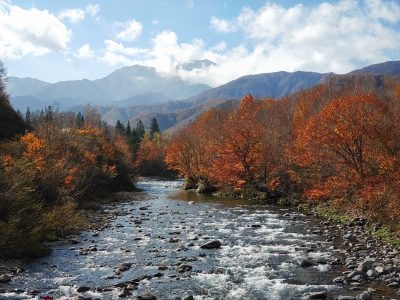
158 237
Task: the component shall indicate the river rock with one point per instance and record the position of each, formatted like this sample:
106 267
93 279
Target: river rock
346 298
83 289
318 295
364 296
365 265
204 187
125 293
306 263
212 245
147 297
184 268
339 279
372 273
123 267
255 226
380 269
5 278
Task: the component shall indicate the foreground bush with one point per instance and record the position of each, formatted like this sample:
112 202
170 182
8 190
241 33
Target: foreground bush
47 174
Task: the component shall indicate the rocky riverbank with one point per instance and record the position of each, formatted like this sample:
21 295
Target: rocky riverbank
99 219
371 265
168 246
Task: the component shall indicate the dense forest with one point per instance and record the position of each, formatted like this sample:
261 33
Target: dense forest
335 145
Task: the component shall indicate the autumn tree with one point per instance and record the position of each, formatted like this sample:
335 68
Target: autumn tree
191 151
239 148
150 155
345 135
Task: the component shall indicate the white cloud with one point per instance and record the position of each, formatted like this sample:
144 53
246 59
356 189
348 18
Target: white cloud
155 22
92 9
131 31
84 52
389 11
30 32
329 37
222 25
73 15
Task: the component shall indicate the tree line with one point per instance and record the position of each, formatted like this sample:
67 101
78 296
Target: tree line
332 144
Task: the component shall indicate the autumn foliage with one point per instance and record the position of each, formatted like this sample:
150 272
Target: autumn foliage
338 145
48 175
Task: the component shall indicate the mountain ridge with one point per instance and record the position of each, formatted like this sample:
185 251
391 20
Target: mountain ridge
121 85
146 105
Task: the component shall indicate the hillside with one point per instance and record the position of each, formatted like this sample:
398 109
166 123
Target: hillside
273 85
10 123
376 84
385 68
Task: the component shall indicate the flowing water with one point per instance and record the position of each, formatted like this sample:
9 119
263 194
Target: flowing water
259 258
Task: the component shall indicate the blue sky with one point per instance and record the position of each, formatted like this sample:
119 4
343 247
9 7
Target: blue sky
64 40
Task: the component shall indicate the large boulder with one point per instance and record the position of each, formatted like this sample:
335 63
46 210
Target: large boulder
212 245
204 187
189 184
5 278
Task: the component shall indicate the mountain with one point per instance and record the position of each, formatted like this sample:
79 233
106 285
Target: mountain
138 92
385 68
139 80
24 86
175 112
196 65
132 85
69 93
265 85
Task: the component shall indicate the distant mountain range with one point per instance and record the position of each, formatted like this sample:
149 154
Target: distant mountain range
134 85
141 93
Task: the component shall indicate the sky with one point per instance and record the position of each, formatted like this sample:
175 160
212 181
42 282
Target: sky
71 39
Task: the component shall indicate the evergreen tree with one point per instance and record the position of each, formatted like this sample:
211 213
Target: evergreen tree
28 117
80 120
154 127
49 114
19 113
140 130
128 129
119 128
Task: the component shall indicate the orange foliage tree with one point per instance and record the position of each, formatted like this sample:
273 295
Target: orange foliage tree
150 156
239 148
191 151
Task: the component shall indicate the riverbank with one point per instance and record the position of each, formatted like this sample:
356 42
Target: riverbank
152 244
97 219
369 252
